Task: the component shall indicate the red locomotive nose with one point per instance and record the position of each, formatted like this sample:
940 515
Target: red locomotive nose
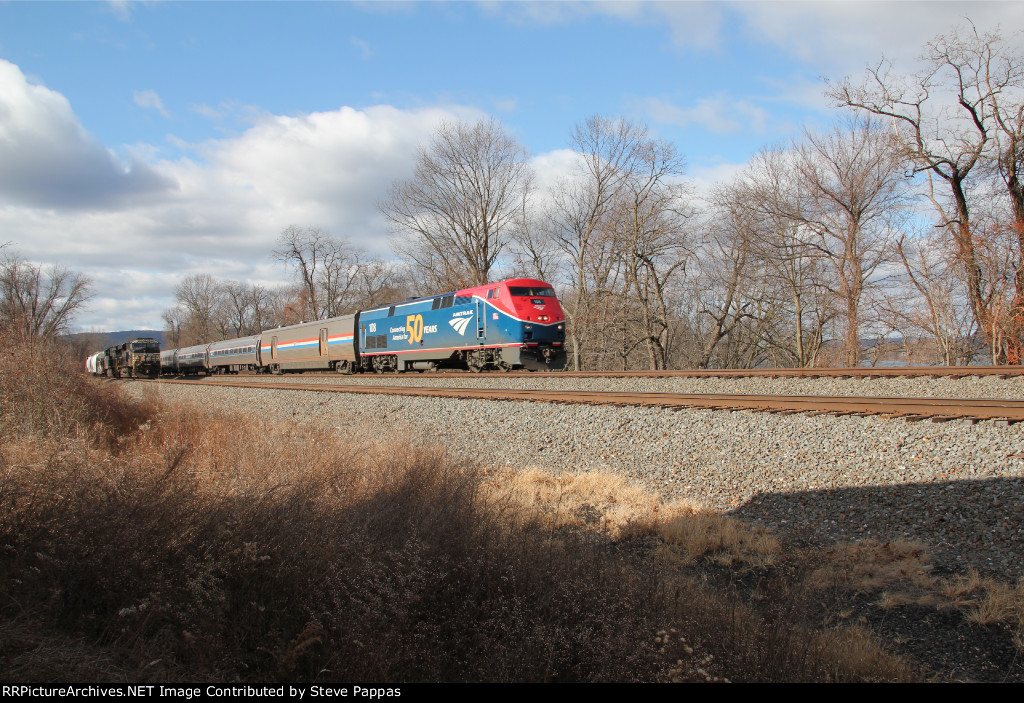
534 300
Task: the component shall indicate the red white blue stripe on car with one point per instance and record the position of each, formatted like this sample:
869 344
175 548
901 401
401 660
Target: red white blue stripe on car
306 343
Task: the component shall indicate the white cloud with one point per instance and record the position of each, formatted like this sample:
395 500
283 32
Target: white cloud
796 90
553 166
362 46
835 36
207 111
149 100
505 104
693 24
705 177
138 230
120 9
48 160
719 114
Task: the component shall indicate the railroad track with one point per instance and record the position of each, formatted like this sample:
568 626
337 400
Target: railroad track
1002 412
858 372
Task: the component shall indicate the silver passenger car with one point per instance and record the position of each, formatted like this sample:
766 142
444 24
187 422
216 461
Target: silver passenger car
234 355
321 344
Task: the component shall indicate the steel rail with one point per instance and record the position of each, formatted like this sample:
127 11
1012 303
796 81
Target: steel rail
866 372
1006 411
858 372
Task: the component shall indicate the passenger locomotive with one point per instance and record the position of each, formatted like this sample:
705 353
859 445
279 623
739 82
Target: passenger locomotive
512 324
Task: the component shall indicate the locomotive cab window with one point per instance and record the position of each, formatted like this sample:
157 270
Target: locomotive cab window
531 291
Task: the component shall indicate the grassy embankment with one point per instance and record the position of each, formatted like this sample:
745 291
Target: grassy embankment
149 543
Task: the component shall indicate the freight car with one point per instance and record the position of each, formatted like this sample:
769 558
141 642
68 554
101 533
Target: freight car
507 325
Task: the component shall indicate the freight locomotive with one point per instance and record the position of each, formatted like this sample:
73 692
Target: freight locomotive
134 358
512 324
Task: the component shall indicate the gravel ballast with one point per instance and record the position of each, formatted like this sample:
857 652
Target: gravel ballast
954 486
898 386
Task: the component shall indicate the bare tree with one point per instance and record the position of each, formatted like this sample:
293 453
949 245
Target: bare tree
654 238
534 251
200 303
175 319
578 218
937 311
237 302
853 193
456 215
724 283
39 301
265 305
306 249
335 278
378 282
961 111
797 298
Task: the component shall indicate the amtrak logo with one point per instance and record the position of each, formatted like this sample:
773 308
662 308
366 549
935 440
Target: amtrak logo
460 324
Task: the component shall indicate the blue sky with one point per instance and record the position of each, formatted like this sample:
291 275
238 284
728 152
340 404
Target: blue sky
143 142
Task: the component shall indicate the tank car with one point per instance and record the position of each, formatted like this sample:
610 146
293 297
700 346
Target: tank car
169 361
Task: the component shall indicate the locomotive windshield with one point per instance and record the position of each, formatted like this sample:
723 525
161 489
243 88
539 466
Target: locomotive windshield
146 347
530 291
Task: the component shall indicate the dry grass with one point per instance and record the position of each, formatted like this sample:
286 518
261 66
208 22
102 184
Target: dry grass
989 601
899 574
606 503
620 510
869 566
725 541
43 393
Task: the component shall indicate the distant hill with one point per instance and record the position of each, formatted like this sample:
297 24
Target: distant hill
103 340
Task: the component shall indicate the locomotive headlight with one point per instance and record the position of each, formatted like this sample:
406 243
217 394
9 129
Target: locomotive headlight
527 327
561 327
